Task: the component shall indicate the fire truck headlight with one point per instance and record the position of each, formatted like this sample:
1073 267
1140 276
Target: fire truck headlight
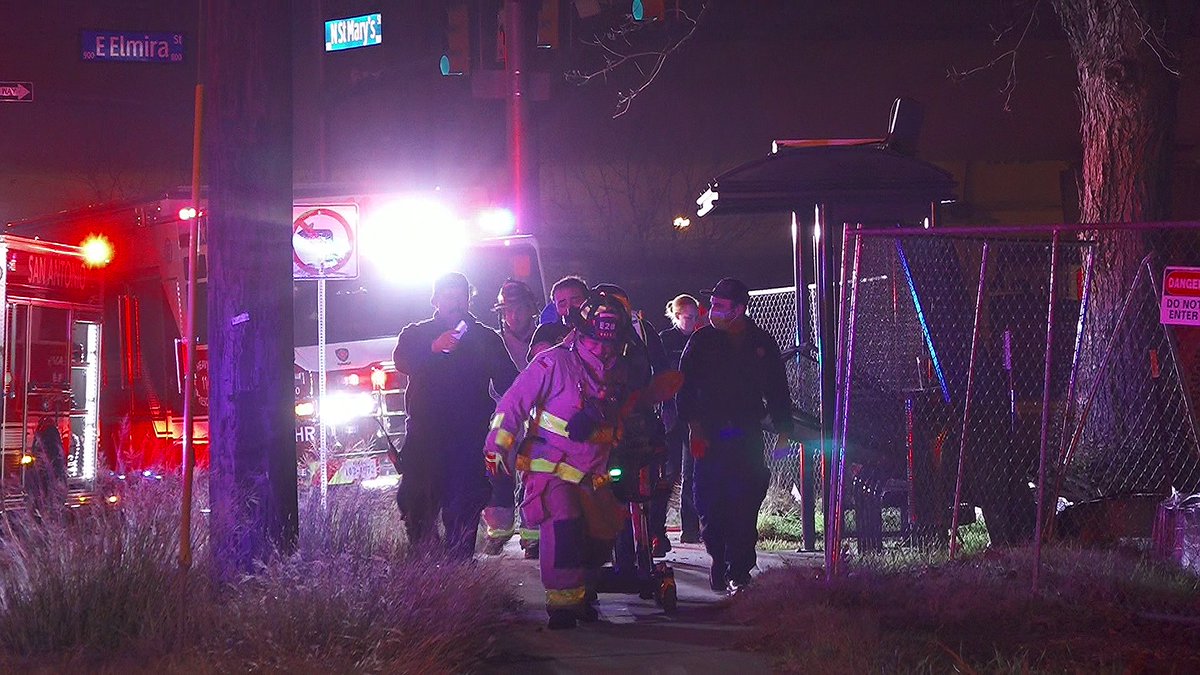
346 406
414 240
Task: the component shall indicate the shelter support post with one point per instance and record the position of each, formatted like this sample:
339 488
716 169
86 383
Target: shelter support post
827 327
804 477
1043 447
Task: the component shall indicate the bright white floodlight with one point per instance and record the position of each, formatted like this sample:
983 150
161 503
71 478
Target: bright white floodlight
414 240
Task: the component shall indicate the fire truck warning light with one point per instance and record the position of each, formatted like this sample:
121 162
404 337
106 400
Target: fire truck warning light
97 251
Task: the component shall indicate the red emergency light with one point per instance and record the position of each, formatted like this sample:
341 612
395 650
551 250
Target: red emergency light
97 251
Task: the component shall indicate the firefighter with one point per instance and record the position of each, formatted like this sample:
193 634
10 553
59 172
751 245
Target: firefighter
732 377
648 357
566 407
516 306
452 362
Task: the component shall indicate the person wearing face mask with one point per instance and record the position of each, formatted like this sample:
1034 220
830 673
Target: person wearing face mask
453 362
733 378
566 295
557 424
684 314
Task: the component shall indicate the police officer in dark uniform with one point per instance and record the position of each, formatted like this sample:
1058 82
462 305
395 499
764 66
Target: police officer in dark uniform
450 360
733 377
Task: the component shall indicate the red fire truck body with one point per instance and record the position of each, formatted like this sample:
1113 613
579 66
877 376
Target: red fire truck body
145 290
50 336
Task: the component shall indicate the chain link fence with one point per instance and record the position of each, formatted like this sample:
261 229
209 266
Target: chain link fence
774 310
991 378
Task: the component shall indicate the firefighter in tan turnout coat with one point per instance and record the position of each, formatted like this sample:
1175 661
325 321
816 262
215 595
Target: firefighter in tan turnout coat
565 406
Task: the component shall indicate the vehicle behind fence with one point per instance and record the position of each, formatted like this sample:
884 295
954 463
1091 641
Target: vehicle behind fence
1006 387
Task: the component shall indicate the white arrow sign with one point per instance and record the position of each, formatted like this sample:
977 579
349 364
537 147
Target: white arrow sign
324 242
16 91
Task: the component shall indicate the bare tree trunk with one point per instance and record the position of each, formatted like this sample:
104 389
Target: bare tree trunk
248 152
1128 92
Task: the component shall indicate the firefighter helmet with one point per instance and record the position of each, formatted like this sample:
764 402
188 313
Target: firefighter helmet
514 292
602 317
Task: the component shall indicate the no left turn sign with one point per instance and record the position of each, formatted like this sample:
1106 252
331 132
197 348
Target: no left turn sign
325 241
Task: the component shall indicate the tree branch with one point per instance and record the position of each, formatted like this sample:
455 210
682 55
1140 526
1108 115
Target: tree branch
617 46
1010 83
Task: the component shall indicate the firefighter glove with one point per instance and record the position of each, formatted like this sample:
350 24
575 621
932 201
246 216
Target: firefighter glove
494 459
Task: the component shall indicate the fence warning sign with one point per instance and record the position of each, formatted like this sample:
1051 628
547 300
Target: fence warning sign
1181 296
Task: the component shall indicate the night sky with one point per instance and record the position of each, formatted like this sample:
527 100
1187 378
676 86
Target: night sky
753 72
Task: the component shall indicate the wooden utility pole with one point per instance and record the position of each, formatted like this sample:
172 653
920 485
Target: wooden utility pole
248 150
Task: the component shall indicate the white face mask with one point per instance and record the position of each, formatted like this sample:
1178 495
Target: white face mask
719 318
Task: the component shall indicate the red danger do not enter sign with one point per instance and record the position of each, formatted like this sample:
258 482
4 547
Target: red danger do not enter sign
325 241
1181 296
1182 281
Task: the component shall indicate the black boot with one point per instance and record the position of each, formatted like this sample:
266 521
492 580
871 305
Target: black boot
532 550
660 546
588 613
718 578
561 619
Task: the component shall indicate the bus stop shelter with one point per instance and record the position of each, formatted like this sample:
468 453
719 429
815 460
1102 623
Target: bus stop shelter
827 186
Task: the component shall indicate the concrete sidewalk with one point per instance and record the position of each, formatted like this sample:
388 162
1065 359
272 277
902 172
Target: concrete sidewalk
635 635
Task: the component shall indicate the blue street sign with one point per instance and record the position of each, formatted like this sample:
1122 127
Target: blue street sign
355 31
107 45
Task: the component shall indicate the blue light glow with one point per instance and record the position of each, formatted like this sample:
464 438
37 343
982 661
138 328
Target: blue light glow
912 288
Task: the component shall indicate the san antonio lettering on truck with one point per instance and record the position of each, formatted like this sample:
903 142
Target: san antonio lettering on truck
136 46
32 272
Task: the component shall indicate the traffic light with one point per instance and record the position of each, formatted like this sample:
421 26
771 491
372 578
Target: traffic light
547 25
649 10
456 60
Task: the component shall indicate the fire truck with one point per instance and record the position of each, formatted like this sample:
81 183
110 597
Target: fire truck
50 336
404 240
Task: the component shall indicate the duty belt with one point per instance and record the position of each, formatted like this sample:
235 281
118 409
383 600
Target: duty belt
562 470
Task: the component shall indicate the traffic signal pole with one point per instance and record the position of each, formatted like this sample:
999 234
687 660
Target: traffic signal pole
516 52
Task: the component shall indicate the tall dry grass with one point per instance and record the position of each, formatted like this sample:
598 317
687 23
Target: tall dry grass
91 577
99 589
979 614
